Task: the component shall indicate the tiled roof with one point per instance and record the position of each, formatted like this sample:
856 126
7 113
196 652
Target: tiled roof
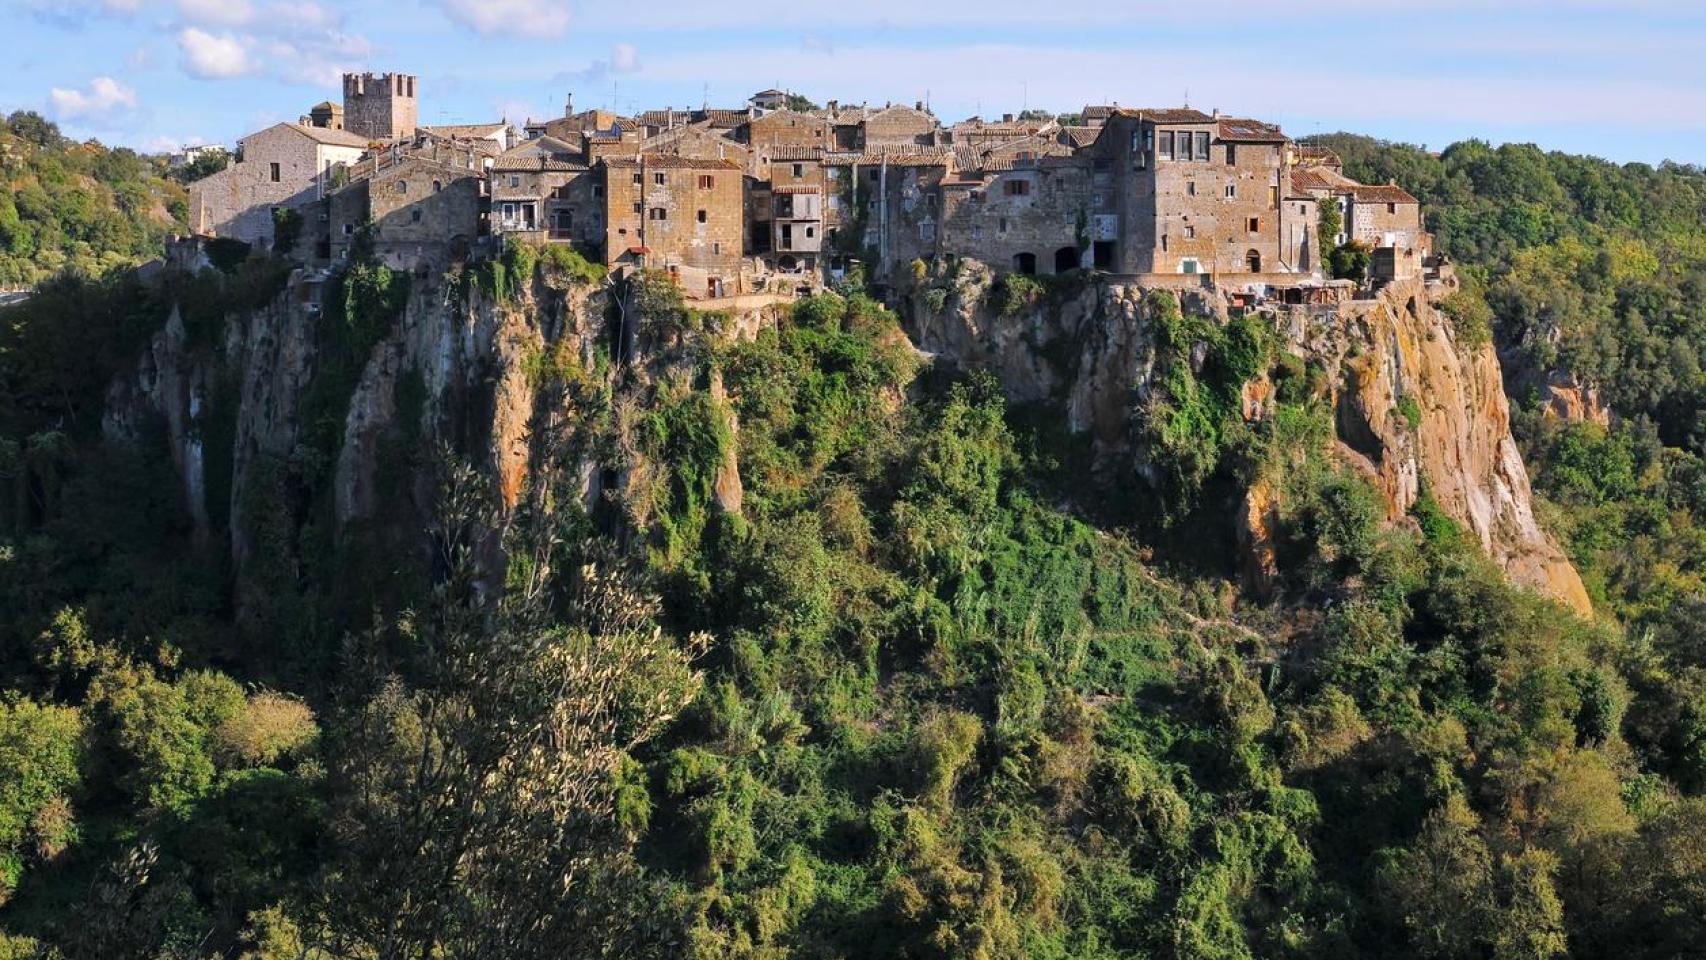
1098 111
670 161
790 151
796 188
1079 137
1166 114
535 164
1305 179
1310 153
723 118
467 131
899 156
1382 193
1249 131
328 136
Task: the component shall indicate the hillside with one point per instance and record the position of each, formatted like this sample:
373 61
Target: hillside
81 207
517 612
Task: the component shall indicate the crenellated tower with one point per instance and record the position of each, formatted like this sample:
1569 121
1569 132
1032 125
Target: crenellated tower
380 107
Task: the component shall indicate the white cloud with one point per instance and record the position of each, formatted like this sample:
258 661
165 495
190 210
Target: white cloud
212 56
623 59
104 96
225 13
523 17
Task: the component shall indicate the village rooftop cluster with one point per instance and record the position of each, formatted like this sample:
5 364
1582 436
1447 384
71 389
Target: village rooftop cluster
767 197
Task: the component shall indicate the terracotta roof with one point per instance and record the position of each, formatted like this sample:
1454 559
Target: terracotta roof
1098 111
1311 153
1079 137
796 152
796 188
772 92
724 118
536 164
1249 131
467 131
328 136
1166 114
670 161
1306 179
1382 193
900 156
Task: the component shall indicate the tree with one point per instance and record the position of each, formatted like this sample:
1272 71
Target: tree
484 811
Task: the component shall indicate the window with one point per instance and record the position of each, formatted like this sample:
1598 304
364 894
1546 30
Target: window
811 232
437 185
598 190
1148 147
1002 227
275 173
402 186
1231 154
1202 145
1254 224
349 228
658 179
638 179
1190 188
799 170
1018 188
637 206
716 248
706 181
1166 144
1231 191
415 215
927 230
701 216
515 180
1392 208
1190 231
658 213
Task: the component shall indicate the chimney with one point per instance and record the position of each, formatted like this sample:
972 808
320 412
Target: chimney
1007 118
569 105
1217 113
919 106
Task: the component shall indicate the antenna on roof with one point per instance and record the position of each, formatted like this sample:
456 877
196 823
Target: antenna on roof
1187 97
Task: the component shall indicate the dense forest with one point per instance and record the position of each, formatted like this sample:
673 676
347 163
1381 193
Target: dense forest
928 692
80 208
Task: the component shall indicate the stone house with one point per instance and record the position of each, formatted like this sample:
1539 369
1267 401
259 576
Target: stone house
888 201
285 166
545 192
897 126
1196 193
421 210
1028 216
680 214
1384 216
787 128
771 99
501 135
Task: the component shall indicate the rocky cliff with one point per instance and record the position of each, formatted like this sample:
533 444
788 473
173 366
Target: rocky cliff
1412 408
485 375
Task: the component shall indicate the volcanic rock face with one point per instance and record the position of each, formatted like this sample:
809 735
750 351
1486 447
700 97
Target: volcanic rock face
1388 361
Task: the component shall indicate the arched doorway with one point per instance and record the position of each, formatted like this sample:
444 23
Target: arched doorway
1025 263
1253 260
1066 260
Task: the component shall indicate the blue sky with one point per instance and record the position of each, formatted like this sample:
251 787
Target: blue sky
1624 80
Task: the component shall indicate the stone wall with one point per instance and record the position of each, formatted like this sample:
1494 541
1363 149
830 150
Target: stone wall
380 107
237 202
683 212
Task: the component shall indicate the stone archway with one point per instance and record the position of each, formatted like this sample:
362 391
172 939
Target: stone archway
1066 259
1253 260
1025 263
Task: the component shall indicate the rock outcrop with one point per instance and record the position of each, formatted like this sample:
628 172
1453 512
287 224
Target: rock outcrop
1412 408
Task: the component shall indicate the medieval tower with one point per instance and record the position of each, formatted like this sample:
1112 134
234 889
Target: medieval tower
381 107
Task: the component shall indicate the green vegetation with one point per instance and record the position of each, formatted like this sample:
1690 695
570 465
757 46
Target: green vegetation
77 207
826 668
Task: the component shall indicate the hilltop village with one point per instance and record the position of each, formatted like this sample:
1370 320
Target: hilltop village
767 198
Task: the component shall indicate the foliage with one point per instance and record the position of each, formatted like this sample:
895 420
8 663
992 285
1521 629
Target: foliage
287 229
78 208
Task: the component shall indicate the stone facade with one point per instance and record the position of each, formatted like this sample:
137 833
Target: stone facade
380 107
681 214
422 212
286 165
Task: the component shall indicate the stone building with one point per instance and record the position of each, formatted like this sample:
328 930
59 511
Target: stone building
501 135
899 126
889 201
285 166
1028 216
680 214
421 211
380 107
542 190
1196 193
